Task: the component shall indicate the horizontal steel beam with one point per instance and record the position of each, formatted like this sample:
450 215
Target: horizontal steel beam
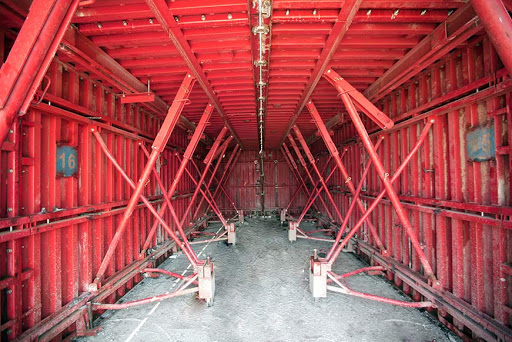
338 31
160 9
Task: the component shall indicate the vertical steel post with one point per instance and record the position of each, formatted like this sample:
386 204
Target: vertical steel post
158 145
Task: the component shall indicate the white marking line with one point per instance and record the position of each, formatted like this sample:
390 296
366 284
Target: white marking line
132 335
154 308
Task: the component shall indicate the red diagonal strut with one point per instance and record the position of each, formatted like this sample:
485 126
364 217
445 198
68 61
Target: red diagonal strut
348 180
310 177
163 14
158 145
301 179
338 31
187 155
312 161
346 96
215 146
30 57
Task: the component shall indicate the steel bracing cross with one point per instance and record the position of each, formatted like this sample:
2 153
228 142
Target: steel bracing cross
302 183
227 170
187 155
216 145
293 167
219 187
312 161
299 188
203 269
349 94
157 147
207 185
308 174
338 160
320 272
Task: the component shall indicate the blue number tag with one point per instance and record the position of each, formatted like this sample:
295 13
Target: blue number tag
67 161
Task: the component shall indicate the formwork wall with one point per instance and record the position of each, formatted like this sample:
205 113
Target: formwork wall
55 230
244 184
460 207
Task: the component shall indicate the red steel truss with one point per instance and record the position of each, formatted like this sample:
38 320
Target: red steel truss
320 269
429 65
157 147
203 270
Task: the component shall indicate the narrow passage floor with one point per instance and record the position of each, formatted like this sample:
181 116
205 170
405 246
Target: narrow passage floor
262 294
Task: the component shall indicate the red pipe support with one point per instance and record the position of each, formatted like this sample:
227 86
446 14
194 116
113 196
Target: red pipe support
179 292
143 198
31 56
348 180
374 204
158 145
312 161
169 273
498 24
306 169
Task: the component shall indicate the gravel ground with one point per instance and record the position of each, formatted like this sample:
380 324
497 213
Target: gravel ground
262 295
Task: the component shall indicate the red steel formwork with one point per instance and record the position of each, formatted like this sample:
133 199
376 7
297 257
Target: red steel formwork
261 127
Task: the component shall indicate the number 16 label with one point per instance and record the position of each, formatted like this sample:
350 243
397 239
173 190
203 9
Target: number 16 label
67 161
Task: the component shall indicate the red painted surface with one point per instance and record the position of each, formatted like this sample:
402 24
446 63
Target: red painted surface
460 210
412 59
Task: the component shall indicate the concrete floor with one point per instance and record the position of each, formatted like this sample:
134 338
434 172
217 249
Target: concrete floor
262 295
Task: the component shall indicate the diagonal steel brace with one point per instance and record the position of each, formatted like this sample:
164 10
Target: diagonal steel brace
348 180
308 174
299 177
188 155
346 92
158 145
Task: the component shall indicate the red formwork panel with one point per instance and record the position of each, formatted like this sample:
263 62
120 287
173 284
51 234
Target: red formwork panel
244 185
460 207
55 230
